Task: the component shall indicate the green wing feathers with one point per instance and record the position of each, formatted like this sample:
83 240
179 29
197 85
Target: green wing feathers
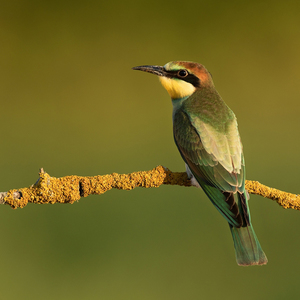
215 158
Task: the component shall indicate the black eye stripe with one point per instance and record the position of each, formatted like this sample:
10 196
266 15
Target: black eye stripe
191 78
194 80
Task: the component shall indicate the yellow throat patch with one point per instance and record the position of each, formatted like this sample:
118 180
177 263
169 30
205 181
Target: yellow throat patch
177 88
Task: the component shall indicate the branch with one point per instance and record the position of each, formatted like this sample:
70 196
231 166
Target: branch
69 189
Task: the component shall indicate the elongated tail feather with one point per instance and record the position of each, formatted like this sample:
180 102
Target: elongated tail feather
247 247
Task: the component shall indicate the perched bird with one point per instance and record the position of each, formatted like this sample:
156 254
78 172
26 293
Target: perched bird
206 135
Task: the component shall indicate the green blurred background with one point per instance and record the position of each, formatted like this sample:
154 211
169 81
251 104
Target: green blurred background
71 104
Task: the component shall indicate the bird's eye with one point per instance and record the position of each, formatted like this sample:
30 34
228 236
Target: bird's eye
183 73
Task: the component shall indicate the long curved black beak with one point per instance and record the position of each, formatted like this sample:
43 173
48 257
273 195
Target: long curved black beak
157 70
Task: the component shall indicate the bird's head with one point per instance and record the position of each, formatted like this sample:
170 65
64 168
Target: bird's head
180 78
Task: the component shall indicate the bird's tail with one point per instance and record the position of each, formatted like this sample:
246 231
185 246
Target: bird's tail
248 251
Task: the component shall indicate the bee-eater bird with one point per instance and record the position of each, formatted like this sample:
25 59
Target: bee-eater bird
206 135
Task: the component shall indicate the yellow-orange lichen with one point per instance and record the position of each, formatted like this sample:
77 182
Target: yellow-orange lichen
286 200
69 189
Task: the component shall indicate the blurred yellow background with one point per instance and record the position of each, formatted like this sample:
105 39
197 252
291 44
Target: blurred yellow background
71 104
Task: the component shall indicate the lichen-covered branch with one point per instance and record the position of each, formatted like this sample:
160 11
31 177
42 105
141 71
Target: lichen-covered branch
69 189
